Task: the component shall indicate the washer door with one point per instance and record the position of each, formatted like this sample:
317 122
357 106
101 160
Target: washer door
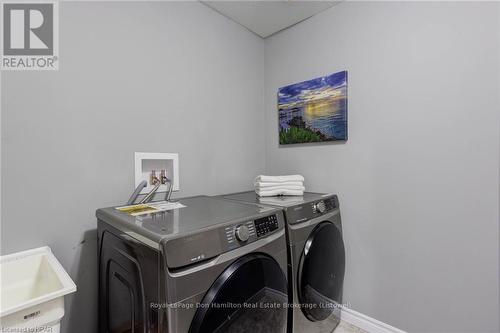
321 272
249 296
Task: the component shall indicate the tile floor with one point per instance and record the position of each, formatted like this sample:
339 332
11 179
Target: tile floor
345 327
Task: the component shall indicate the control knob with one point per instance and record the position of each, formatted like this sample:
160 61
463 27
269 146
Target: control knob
320 207
242 233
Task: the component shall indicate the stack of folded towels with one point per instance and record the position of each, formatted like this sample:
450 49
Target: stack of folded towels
268 186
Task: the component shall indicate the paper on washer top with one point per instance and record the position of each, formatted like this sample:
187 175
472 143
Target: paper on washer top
152 207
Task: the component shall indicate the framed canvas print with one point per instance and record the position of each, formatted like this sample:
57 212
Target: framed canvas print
314 110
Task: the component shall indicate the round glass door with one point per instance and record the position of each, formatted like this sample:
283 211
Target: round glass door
321 272
249 296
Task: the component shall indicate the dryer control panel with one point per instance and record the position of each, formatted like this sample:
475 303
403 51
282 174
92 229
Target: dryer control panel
323 206
313 209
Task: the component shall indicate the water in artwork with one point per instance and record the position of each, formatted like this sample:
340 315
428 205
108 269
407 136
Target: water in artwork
314 110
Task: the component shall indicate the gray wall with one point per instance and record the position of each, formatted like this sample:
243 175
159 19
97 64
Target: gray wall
159 77
418 178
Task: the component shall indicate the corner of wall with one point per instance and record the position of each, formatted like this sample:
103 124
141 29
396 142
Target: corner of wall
264 106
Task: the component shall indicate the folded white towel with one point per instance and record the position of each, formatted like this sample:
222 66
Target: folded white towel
272 193
272 184
285 186
279 179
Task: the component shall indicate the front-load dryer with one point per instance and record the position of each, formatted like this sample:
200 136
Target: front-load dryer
211 266
316 257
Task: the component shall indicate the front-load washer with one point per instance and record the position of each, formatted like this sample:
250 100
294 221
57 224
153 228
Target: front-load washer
316 257
211 266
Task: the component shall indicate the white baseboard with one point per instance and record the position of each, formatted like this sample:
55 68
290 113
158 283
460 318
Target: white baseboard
367 323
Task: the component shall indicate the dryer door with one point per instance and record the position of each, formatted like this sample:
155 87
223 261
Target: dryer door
321 272
249 296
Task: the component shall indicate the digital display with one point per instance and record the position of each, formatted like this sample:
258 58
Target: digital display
266 225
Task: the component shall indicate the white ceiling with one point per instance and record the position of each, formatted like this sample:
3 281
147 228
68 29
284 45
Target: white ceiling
266 17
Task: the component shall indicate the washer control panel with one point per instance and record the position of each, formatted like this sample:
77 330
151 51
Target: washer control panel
204 245
243 233
266 225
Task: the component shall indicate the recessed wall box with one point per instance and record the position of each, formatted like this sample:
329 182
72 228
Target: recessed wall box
145 163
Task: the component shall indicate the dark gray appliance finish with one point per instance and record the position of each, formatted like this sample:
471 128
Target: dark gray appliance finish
178 231
155 270
279 201
316 256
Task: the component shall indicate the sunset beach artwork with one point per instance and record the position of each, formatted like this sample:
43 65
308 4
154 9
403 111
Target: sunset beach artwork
314 110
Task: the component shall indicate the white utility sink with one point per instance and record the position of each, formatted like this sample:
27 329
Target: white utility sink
32 288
